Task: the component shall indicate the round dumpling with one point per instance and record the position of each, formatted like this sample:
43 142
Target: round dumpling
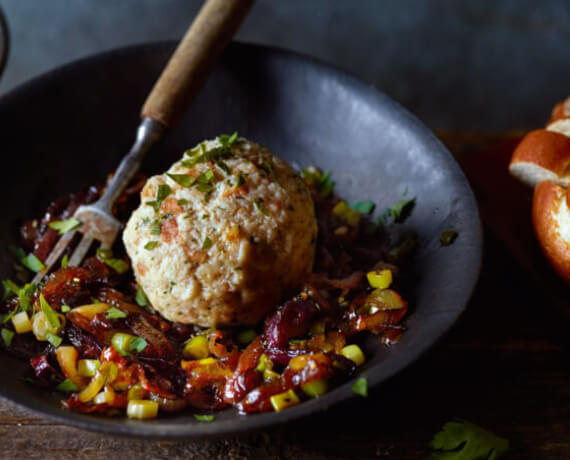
223 235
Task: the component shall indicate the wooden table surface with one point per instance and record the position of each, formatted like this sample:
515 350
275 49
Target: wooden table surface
505 366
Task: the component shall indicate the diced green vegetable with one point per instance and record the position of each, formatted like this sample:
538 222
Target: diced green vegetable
204 417
65 308
137 344
7 337
284 400
31 262
21 322
228 140
115 313
88 367
258 203
67 386
151 245
363 207
240 180
121 342
64 226
207 243
343 211
380 279
264 364
10 288
401 210
64 260
360 387
182 179
135 392
54 339
50 314
447 237
354 353
245 337
25 296
155 227
315 388
141 298
196 348
141 409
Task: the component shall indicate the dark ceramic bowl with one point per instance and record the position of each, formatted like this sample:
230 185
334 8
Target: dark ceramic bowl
71 126
4 41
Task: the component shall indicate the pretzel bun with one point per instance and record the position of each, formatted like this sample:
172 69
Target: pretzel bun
542 155
561 110
551 221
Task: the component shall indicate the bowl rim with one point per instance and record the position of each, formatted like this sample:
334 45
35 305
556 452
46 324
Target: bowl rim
342 393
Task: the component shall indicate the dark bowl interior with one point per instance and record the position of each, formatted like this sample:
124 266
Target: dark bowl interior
70 127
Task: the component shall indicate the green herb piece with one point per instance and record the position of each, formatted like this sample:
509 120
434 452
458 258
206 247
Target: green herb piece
67 386
115 313
25 296
138 344
205 188
64 226
64 261
363 207
151 245
7 317
163 191
258 203
182 179
182 202
49 313
65 308
119 265
223 166
155 227
462 440
104 253
398 254
7 337
215 154
228 140
401 210
31 262
141 298
204 417
17 252
245 337
54 339
206 177
360 387
207 243
322 181
240 180
10 288
447 237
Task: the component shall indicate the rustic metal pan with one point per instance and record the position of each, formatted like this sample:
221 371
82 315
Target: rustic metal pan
307 112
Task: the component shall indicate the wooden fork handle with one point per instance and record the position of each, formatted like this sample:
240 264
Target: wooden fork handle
189 66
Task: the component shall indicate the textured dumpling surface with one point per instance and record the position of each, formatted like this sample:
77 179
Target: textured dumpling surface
222 235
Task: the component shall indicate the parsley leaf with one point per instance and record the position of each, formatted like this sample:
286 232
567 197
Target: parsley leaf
363 207
462 440
49 313
204 417
163 191
141 298
151 245
138 344
155 227
64 226
115 313
447 237
360 387
182 179
7 337
67 386
228 140
207 243
31 262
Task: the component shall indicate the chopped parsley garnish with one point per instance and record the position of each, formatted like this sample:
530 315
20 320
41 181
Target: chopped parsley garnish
138 344
163 191
151 245
363 207
223 166
141 298
182 179
54 339
115 313
462 440
205 188
447 237
67 386
155 227
31 262
182 202
204 417
64 226
228 140
240 180
7 337
258 203
206 177
64 260
216 154
49 313
401 210
360 387
207 243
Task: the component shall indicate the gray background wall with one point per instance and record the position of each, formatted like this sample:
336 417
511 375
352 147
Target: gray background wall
478 65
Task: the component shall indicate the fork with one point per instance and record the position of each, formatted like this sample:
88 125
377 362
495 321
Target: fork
188 68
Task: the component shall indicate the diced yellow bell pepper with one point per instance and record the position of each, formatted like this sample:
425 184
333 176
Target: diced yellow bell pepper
105 397
380 279
315 388
90 310
196 348
141 409
136 392
268 374
264 363
22 323
354 353
284 400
